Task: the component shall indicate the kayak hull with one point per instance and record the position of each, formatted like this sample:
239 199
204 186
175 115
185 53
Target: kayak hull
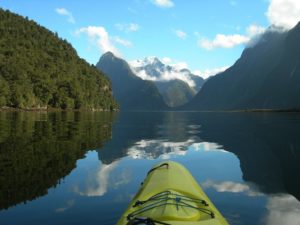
170 195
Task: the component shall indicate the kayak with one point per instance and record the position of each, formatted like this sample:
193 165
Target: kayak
170 195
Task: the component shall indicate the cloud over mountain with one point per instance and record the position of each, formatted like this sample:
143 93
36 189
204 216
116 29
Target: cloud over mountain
100 36
284 13
232 40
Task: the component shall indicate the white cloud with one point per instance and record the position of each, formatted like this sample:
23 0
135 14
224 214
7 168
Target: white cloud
123 42
254 30
142 74
163 3
180 65
177 75
283 209
127 27
210 72
223 41
101 37
181 34
64 12
165 73
166 60
230 41
284 13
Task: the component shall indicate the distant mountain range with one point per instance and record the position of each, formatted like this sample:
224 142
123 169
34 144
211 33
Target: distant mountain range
177 86
266 76
131 92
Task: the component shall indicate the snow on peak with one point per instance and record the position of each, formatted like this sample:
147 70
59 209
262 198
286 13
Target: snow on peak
151 68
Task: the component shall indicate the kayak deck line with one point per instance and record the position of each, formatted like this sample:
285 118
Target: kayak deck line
164 199
170 195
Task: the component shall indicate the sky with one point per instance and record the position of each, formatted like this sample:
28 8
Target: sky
206 36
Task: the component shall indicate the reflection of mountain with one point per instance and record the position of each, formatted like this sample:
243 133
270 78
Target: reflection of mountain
155 129
267 145
37 150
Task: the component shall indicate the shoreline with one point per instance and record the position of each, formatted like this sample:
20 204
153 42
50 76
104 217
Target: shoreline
12 109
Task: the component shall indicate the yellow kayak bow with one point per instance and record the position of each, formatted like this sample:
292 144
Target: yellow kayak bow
170 195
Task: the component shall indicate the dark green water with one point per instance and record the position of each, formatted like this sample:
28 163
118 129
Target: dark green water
83 168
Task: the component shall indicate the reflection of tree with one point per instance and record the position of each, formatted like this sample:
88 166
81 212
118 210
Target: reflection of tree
38 149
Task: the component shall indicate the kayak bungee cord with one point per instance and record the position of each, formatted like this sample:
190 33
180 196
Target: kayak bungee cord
177 201
158 196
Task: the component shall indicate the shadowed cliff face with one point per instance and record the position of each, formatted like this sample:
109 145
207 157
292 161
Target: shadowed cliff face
266 76
267 145
37 150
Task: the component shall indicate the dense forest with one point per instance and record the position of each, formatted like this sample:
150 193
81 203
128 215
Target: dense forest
38 70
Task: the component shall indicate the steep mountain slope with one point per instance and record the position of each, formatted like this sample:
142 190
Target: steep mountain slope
266 76
131 91
40 70
175 92
176 85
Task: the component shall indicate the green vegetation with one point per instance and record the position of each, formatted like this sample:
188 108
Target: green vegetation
38 149
38 70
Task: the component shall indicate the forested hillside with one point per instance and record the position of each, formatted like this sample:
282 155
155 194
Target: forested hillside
40 70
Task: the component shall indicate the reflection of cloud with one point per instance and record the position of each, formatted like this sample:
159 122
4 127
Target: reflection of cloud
122 178
233 187
69 204
164 149
207 146
283 209
151 149
98 185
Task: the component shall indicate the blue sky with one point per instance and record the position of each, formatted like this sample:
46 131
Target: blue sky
205 35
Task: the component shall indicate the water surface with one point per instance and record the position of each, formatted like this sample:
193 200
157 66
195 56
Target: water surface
84 168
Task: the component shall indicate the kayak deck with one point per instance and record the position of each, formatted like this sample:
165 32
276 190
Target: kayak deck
170 195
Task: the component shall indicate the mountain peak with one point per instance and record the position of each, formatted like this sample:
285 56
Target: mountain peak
108 54
152 60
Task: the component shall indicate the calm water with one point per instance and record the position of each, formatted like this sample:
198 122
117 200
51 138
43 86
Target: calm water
83 168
